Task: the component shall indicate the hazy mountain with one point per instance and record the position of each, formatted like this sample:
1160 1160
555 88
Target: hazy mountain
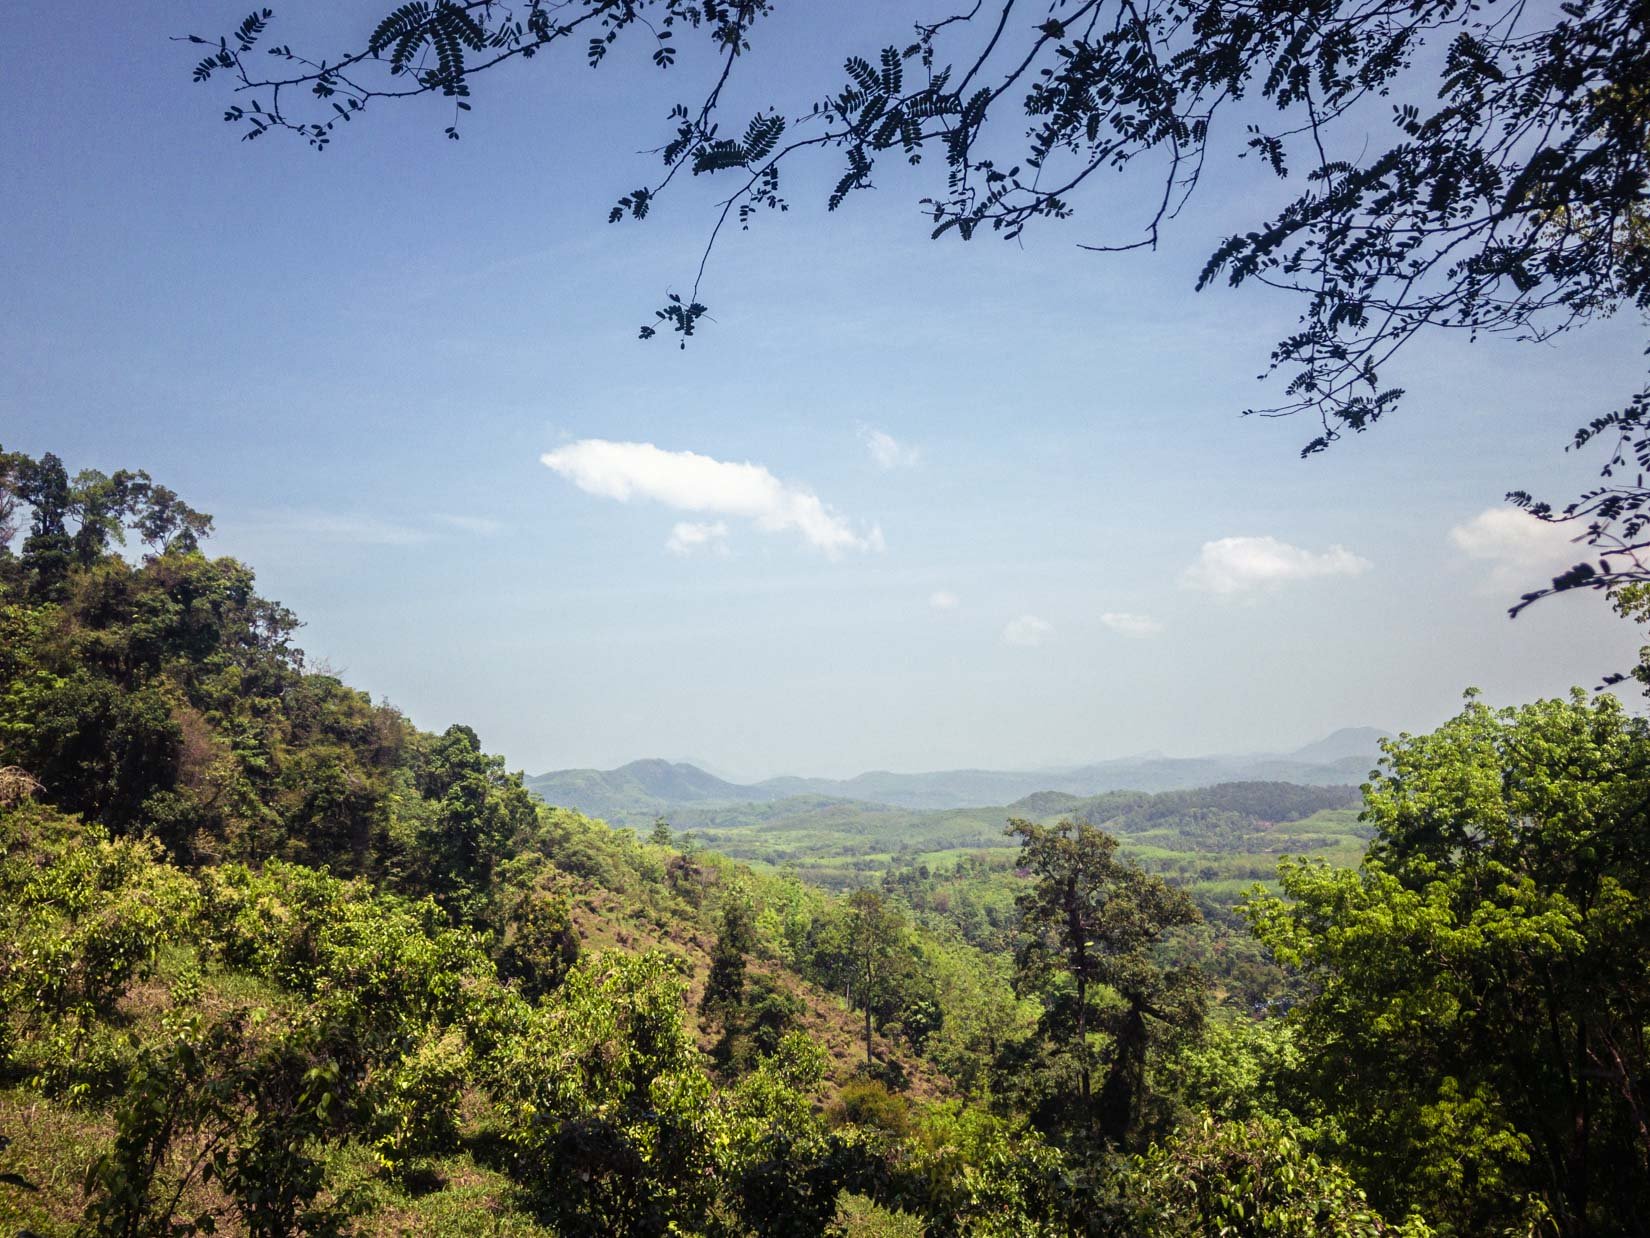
641 790
1353 742
636 793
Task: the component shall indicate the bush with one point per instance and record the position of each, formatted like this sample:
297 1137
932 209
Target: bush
417 1100
1249 1180
859 1217
609 1107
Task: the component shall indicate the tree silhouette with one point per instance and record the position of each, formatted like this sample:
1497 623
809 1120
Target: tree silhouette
1462 166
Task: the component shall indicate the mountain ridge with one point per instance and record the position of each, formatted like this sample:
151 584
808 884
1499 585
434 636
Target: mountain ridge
638 791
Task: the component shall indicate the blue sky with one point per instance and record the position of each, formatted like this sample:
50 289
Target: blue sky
999 508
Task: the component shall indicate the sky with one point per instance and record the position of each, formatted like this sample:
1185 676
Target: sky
903 504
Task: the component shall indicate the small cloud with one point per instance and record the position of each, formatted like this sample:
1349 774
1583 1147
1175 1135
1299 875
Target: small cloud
1027 632
888 452
942 599
1238 564
1520 550
481 526
688 537
1125 624
691 482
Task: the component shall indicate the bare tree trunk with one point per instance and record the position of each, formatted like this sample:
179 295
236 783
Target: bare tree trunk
868 1061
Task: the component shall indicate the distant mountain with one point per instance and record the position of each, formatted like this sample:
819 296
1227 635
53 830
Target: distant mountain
1359 742
640 791
636 793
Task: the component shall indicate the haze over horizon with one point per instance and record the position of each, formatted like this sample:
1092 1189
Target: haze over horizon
904 505
731 774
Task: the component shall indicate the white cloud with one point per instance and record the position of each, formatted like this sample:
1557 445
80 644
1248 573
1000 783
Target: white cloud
943 599
1028 631
885 449
687 537
1238 564
1125 624
690 482
1520 550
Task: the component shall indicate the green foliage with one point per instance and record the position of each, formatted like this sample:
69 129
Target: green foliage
81 929
1088 926
1477 1029
779 1165
860 1217
1238 1069
218 1101
82 918
541 944
973 1173
875 949
417 1103
608 1104
1632 602
249 923
735 938
1252 1179
865 1101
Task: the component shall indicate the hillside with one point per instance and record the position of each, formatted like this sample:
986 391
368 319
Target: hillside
274 960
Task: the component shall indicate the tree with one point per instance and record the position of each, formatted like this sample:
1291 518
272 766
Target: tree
1477 1030
724 995
1090 920
876 931
480 808
1462 166
610 1110
542 943
100 507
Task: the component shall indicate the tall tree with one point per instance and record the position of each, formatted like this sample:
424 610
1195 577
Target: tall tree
1091 920
876 932
1478 1029
735 938
1465 166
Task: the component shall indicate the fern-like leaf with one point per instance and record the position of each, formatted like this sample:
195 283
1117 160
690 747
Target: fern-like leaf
863 74
246 34
893 72
762 135
403 21
718 156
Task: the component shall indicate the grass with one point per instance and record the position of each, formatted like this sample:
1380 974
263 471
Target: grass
51 1145
454 1195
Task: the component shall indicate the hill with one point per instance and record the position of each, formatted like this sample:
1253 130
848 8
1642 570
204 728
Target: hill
274 960
1356 743
1239 828
634 794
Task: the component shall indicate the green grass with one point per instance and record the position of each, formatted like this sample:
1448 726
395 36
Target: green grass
51 1145
455 1195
